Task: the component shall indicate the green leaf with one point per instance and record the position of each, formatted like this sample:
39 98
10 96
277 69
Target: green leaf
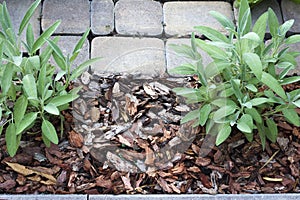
204 114
223 20
190 116
52 109
58 56
293 39
28 15
56 49
252 36
82 67
185 91
262 135
260 26
11 139
223 134
49 131
47 52
45 35
29 86
7 78
292 116
41 82
46 141
245 123
244 19
258 101
243 126
27 121
251 87
235 83
5 18
297 103
20 109
63 99
211 50
212 34
285 27
254 114
79 45
289 80
185 69
223 112
272 83
272 130
254 63
186 51
273 23
29 37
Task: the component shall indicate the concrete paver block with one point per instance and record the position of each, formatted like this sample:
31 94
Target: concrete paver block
198 197
181 17
291 10
175 60
74 15
67 44
43 197
17 11
102 16
143 56
138 17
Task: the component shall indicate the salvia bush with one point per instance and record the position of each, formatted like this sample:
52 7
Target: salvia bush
242 88
32 89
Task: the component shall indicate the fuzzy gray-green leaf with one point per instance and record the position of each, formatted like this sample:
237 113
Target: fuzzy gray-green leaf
223 134
49 131
272 83
28 15
292 116
20 108
29 86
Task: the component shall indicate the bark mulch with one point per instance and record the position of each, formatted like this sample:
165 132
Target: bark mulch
123 136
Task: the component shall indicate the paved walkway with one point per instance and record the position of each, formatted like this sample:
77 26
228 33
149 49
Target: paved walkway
133 35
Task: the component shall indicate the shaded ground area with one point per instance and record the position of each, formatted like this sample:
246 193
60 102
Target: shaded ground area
74 166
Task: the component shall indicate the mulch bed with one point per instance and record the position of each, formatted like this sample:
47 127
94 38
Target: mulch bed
123 136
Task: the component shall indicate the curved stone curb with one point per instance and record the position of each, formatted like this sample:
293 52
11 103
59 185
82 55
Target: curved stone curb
288 196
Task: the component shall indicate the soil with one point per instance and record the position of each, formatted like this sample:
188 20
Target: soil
114 131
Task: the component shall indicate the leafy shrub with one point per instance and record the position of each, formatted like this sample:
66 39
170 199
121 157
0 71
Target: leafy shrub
31 90
242 87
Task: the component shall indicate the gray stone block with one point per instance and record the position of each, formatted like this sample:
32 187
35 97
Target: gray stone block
175 60
67 44
74 15
143 56
291 10
138 17
262 7
17 11
181 17
198 197
44 197
102 16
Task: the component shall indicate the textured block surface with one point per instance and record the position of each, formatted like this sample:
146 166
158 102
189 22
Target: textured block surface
138 17
74 15
133 55
102 16
181 17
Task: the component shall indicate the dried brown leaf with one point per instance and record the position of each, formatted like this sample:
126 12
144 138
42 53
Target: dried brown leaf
75 139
